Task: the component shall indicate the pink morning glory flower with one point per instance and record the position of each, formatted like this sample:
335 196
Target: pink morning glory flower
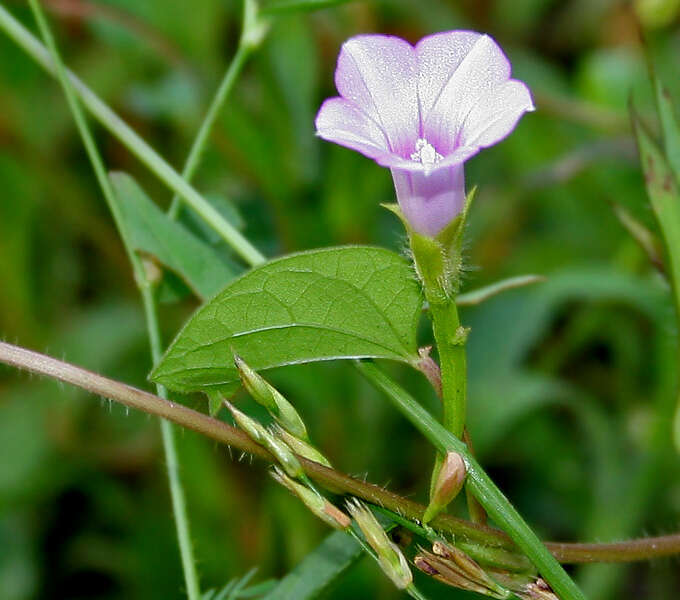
422 112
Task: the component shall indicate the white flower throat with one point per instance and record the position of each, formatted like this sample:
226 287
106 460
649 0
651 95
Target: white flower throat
425 153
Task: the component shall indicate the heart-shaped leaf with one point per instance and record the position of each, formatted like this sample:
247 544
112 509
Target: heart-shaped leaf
335 303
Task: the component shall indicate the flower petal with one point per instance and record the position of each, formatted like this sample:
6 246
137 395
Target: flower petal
495 115
342 122
454 93
378 73
439 56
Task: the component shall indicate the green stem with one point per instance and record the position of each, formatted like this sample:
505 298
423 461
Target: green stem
415 593
201 140
489 556
100 386
177 495
179 504
111 121
491 498
451 348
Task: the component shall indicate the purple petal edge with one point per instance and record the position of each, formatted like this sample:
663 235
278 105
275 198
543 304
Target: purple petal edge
405 106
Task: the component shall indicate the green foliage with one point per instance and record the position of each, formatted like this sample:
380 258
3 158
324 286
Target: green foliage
321 569
152 232
568 378
286 6
662 188
478 296
669 126
324 304
238 588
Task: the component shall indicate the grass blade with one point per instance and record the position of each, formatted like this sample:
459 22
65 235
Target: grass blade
319 570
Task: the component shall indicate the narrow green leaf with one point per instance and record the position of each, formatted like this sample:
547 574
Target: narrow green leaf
480 295
236 588
319 569
645 238
334 303
670 126
285 6
662 190
259 589
151 231
239 586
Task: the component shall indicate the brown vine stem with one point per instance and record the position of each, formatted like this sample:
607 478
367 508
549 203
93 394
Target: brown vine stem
336 481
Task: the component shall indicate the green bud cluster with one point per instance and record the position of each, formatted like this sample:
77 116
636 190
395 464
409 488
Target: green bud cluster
301 447
447 485
268 396
391 559
322 508
455 568
259 434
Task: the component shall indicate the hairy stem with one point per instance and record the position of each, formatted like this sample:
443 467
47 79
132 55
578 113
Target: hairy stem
179 504
488 494
21 358
452 362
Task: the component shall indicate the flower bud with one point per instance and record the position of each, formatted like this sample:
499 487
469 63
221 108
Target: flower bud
256 431
390 557
301 447
396 568
327 512
449 482
462 561
284 456
538 590
525 586
429 564
268 396
458 570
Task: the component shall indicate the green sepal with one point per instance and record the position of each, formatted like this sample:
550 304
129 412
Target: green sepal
439 259
433 266
452 235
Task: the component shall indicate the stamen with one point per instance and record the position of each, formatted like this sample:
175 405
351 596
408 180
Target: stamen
425 153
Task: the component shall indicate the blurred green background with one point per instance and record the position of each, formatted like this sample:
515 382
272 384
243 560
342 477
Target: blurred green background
572 381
